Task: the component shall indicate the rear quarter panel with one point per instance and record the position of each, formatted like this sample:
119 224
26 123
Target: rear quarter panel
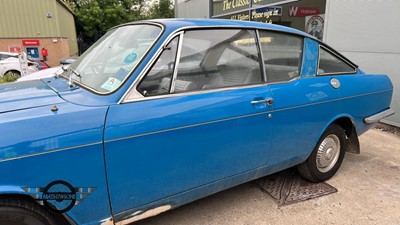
363 95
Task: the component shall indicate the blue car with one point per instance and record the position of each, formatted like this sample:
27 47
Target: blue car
160 113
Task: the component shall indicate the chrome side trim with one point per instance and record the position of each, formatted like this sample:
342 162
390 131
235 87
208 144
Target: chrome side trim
377 117
226 119
48 152
187 126
331 100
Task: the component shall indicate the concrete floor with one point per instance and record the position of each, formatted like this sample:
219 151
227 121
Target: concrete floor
369 193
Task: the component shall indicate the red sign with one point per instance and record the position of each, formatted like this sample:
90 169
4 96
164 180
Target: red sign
30 42
302 11
14 49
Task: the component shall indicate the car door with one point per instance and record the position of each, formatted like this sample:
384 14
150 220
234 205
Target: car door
303 102
199 115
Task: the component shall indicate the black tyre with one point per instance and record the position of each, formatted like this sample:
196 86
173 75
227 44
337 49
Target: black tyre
326 157
20 211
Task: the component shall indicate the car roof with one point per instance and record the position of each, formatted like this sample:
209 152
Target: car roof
9 53
177 23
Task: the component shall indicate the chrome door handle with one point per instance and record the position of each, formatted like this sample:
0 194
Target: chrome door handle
268 101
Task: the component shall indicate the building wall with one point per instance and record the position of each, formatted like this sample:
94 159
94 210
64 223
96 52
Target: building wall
27 18
57 50
192 9
366 32
67 28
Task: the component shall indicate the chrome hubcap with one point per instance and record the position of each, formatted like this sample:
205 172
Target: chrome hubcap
328 153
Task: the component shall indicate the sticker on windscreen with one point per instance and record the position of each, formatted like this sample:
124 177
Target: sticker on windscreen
111 84
130 58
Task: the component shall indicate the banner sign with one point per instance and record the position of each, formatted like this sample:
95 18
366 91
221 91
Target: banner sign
31 42
226 6
271 2
302 11
264 14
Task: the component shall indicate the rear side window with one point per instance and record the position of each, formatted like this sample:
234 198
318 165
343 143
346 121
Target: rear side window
282 55
330 63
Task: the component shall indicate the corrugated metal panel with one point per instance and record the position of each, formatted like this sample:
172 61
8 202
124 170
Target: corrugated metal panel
67 27
192 9
27 18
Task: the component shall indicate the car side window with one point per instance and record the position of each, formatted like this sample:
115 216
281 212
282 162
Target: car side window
282 55
2 57
158 80
330 63
213 59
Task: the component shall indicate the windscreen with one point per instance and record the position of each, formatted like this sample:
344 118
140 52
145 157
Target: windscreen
105 65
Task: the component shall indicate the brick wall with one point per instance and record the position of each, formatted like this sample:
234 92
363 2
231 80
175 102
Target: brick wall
57 50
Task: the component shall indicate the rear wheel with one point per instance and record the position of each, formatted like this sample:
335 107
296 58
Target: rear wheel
20 211
326 157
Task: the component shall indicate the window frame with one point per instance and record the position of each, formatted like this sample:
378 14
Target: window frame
300 58
163 48
337 55
133 94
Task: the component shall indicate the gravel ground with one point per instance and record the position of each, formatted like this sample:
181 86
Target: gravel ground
369 193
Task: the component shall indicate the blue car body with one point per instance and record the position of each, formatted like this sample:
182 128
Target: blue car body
128 159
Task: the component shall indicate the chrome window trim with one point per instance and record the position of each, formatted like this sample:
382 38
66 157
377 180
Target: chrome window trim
195 92
299 67
177 60
133 68
132 90
339 57
136 95
264 70
286 81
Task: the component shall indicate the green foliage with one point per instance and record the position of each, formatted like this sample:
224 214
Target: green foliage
9 77
97 16
164 9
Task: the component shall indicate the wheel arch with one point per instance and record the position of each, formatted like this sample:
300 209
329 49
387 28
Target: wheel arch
349 127
17 193
13 70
